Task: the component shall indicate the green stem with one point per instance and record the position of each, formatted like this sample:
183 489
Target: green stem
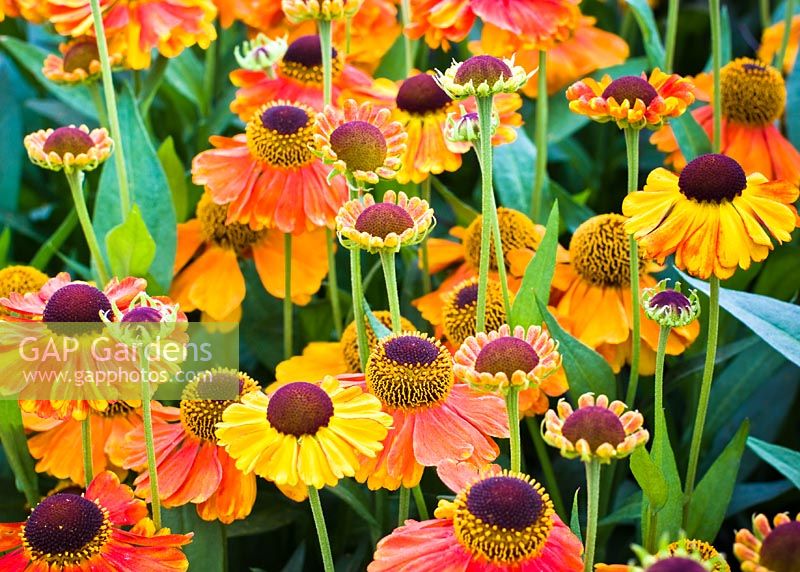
540 138
86 446
358 309
498 253
333 284
287 296
716 64
348 25
404 502
390 277
705 393
75 181
405 14
764 11
111 106
515 444
97 99
663 336
147 421
651 542
550 480
153 81
593 497
485 154
672 34
632 147
419 500
787 29
322 530
50 247
209 75
326 42
427 286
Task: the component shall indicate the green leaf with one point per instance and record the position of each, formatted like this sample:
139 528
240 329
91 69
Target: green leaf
377 326
652 39
783 460
628 513
575 518
748 495
538 277
586 369
176 176
670 515
148 188
31 57
15 447
792 101
348 492
514 166
573 211
130 247
649 477
207 550
692 138
464 212
775 322
712 495
185 74
5 246
10 142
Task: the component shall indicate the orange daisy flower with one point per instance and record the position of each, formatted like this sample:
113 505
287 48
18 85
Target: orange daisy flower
297 77
498 521
268 175
769 547
440 21
209 248
586 50
71 533
191 467
136 27
55 441
62 299
771 41
79 62
30 10
632 101
753 99
258 14
596 305
436 417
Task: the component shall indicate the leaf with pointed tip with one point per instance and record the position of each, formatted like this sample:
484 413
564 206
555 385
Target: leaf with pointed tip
783 460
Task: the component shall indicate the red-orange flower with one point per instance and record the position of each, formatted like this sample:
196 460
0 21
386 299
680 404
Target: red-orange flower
771 40
135 27
75 533
268 176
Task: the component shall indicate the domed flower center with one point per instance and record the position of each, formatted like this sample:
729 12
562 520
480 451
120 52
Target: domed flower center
205 399
676 564
671 299
780 551
479 69
80 56
599 251
350 337
753 93
360 145
420 94
507 355
459 312
597 425
712 178
299 408
504 519
68 140
280 135
630 88
382 219
66 528
142 314
303 60
76 303
237 236
409 371
20 279
516 231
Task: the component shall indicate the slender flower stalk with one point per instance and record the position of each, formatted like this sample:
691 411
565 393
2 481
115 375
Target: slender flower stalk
593 498
632 146
547 466
512 405
147 422
111 107
489 214
419 500
322 530
540 138
333 284
356 286
75 181
705 393
97 99
287 296
326 43
86 446
672 34
390 277
764 11
716 65
405 14
404 504
787 30
426 274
